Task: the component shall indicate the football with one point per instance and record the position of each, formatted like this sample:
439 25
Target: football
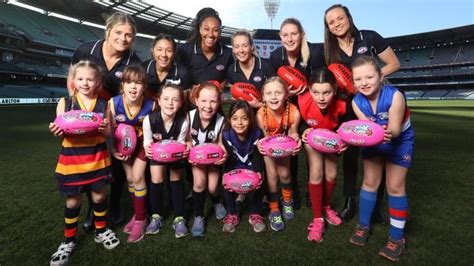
361 133
206 153
168 150
125 139
292 76
278 146
241 181
324 140
242 91
78 123
343 77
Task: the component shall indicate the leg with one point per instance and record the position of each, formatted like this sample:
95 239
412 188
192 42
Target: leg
330 173
199 190
213 187
103 235
350 168
177 194
116 190
315 187
158 173
276 220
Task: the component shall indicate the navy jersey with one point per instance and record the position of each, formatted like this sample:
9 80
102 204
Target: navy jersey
279 58
200 68
178 75
261 71
366 42
242 154
93 51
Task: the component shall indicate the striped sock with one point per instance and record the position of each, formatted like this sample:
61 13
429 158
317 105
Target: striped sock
71 217
100 216
139 204
286 192
398 210
367 202
316 195
328 189
131 192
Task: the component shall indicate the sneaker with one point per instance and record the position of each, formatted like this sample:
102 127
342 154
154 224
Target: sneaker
230 223
288 212
198 227
331 216
360 237
179 226
276 221
220 211
257 223
155 225
393 250
138 231
127 229
316 230
107 238
61 256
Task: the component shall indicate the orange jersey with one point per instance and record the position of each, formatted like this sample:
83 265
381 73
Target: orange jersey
272 126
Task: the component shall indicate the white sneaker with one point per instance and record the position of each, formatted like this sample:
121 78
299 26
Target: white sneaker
108 239
61 256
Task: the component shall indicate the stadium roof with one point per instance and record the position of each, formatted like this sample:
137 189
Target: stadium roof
151 19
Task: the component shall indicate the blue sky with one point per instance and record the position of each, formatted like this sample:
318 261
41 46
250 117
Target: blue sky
388 17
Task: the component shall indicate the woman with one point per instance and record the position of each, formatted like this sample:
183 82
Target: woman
344 43
112 55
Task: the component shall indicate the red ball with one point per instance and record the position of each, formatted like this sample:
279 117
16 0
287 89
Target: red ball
343 77
292 76
242 91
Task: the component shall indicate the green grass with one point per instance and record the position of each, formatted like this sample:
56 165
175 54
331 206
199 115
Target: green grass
439 230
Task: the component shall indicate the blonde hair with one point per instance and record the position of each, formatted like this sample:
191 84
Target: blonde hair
119 18
85 64
276 79
245 34
304 49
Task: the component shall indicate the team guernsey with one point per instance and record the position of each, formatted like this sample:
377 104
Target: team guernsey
261 71
366 42
272 126
316 118
400 149
242 154
84 160
210 134
177 75
123 115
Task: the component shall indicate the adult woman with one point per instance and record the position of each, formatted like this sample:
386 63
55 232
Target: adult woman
112 55
343 43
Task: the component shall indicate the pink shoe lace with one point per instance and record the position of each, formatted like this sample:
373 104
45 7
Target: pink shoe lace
231 219
316 230
331 216
127 229
138 231
255 218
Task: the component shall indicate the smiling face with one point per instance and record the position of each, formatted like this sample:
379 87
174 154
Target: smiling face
163 53
133 90
210 31
207 103
275 96
367 80
291 37
170 101
337 21
86 81
120 37
242 48
240 122
322 94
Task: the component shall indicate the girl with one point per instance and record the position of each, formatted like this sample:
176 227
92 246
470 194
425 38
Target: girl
239 140
321 109
84 163
205 127
278 116
131 107
386 106
343 43
167 122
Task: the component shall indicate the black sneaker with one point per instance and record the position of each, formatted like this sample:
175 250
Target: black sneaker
393 250
360 237
88 224
348 212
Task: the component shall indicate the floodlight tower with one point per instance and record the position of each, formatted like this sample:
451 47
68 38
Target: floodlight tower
271 7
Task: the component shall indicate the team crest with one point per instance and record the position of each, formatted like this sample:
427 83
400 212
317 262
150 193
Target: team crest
120 118
193 132
407 157
119 74
212 135
383 115
220 67
257 79
157 136
312 122
362 50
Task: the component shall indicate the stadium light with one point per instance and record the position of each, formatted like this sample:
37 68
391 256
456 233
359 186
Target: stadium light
271 7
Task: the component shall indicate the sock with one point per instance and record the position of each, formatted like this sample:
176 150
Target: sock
286 192
131 192
215 198
367 202
273 202
100 216
177 194
71 217
198 201
398 210
256 202
139 204
229 199
329 186
316 196
156 197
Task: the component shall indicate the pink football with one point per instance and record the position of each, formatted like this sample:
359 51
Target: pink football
78 123
279 146
125 139
361 133
324 140
241 181
168 150
206 153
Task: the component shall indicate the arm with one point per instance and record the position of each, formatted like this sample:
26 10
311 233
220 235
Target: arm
104 127
396 114
293 132
358 112
53 128
390 60
265 133
147 137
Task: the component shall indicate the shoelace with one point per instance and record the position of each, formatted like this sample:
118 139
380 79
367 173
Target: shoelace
360 233
277 219
392 246
287 209
256 219
232 219
315 226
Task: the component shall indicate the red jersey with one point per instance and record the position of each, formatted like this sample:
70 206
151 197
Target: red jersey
313 116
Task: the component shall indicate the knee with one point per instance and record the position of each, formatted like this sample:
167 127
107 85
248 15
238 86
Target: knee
370 184
396 190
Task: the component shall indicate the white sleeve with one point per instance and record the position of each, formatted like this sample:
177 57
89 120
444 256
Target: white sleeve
184 131
147 134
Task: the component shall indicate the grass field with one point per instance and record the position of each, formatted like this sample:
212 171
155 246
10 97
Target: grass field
439 230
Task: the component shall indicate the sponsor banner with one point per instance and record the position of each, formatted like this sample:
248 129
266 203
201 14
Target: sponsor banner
4 101
266 47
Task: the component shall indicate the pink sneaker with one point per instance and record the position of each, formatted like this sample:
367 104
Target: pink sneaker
316 230
127 229
230 223
331 216
138 231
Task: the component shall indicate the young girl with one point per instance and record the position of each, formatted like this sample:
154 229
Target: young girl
278 116
205 127
167 122
386 106
239 140
321 109
84 163
130 108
